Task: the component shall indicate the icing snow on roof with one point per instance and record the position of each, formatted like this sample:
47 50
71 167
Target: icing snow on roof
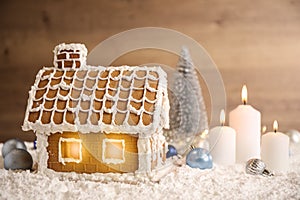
98 99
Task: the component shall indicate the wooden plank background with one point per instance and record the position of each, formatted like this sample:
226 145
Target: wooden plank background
253 42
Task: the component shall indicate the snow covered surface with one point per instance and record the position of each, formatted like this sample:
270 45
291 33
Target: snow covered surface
183 183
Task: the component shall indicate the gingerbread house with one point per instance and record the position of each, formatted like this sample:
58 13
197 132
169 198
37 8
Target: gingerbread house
98 119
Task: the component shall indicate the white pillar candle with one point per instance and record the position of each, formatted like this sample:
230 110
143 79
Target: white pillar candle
222 143
275 150
247 123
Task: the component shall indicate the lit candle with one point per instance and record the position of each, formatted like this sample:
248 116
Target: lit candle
275 150
247 123
263 129
222 143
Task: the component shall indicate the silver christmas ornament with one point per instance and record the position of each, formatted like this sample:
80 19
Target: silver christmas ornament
12 144
18 159
294 136
256 166
199 158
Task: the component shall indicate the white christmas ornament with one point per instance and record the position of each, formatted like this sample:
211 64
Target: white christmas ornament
294 135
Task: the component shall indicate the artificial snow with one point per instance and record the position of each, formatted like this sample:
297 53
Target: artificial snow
183 183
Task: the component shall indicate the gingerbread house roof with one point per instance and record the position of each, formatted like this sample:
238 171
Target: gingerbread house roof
98 99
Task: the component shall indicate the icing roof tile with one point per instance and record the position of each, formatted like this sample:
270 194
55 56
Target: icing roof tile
98 99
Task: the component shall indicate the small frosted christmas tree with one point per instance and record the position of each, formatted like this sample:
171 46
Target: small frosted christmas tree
188 115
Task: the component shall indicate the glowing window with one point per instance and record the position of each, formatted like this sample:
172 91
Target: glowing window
113 151
70 150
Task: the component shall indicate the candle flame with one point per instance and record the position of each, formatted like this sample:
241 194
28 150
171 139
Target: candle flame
204 134
222 117
263 129
244 94
275 126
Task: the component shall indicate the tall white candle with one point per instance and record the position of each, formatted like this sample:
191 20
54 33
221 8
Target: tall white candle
247 123
275 150
222 143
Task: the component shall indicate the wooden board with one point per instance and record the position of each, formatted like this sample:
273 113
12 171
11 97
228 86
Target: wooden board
253 42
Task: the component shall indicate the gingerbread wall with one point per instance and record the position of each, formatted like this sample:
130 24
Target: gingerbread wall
92 153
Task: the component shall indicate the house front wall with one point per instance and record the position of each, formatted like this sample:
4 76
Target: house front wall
94 157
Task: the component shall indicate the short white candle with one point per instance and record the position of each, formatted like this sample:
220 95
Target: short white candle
222 143
275 150
247 123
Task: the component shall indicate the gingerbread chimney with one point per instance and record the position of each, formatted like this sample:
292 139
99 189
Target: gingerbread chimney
70 56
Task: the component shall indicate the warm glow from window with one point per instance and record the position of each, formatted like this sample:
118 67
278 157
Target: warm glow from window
113 151
70 150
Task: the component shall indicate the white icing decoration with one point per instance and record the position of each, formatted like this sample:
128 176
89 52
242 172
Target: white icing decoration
113 160
85 97
74 46
144 149
42 154
64 160
160 114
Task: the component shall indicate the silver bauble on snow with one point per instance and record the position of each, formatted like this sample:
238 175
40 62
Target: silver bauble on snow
18 159
12 144
256 166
